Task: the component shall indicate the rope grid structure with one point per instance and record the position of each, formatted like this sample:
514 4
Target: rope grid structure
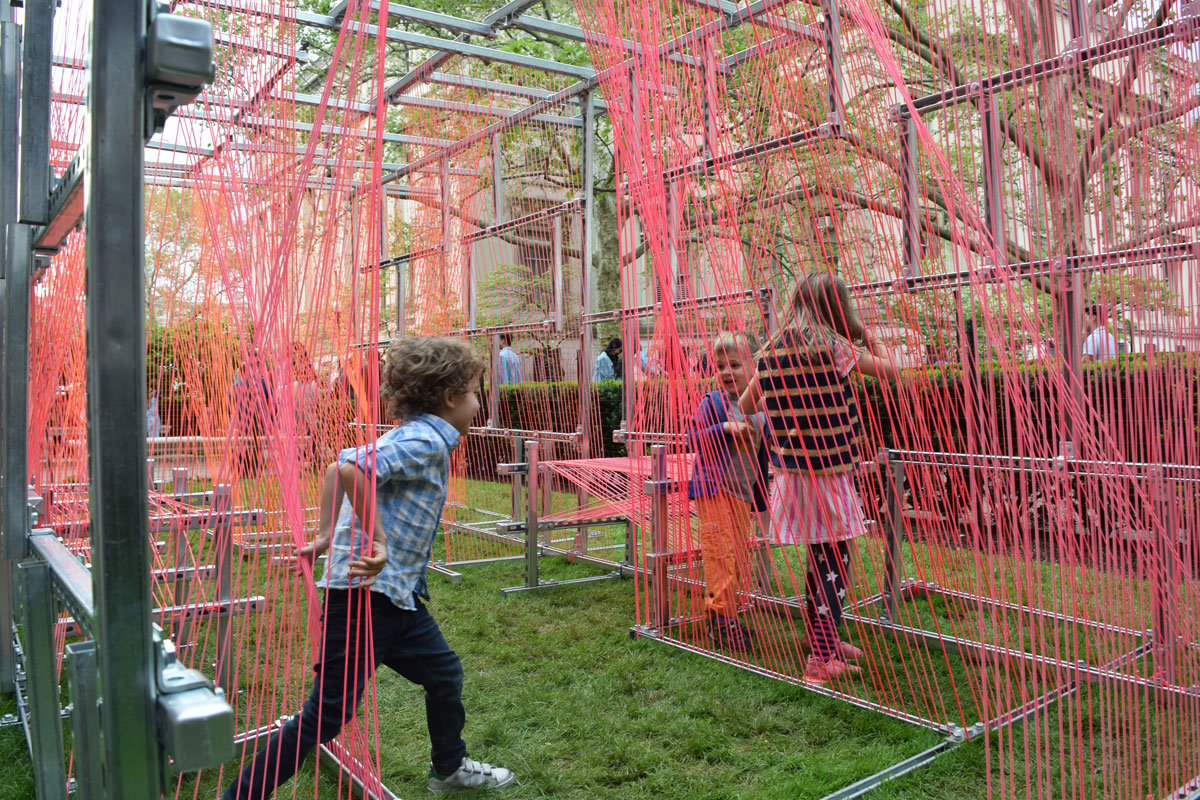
949 248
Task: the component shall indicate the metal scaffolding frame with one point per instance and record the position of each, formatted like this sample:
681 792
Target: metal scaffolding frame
37 211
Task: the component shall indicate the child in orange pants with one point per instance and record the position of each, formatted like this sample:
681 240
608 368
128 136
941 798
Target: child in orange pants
729 486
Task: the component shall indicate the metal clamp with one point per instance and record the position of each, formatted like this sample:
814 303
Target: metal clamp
195 724
515 468
179 62
653 487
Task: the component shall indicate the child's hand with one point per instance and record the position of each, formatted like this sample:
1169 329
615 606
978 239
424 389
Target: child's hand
368 568
310 551
744 434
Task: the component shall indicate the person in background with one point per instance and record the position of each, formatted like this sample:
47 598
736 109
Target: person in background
1100 344
153 420
804 384
510 362
608 363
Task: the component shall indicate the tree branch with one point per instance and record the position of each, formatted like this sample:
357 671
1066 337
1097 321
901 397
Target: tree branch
1091 158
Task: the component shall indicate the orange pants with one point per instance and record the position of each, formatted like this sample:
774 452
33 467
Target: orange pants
726 526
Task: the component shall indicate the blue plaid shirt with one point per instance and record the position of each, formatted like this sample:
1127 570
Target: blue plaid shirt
411 469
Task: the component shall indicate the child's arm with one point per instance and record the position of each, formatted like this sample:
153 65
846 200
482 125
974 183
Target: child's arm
331 503
356 487
751 399
877 361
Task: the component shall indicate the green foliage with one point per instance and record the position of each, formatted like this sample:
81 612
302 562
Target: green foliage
555 406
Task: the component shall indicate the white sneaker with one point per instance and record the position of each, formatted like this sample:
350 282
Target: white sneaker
471 774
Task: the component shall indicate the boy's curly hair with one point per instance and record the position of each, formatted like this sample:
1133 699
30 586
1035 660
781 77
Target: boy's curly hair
418 371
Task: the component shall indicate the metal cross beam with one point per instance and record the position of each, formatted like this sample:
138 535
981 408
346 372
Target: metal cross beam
725 22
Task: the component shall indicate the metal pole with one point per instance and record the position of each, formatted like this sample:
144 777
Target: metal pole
909 196
222 510
41 677
494 386
993 174
518 487
497 181
183 562
472 295
35 111
531 515
15 367
661 607
832 28
587 279
1165 577
556 271
116 412
85 721
892 475
444 173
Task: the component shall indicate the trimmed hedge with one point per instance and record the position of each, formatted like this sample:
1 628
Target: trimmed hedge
1127 393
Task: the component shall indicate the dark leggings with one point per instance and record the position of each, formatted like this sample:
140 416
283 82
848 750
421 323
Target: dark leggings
825 591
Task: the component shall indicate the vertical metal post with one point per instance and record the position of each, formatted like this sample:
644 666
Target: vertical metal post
472 295
183 562
41 678
1165 577
497 180
518 485
116 413
15 391
15 402
1068 299
1079 16
681 284
993 174
35 111
444 179
832 28
891 475
910 206
85 721
556 270
708 96
222 510
531 515
10 52
587 280
660 557
401 281
494 384
381 255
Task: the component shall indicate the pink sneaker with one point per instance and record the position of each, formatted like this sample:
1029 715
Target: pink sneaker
846 651
849 652
820 671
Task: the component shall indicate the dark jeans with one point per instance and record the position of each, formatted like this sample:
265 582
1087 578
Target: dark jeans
408 642
825 590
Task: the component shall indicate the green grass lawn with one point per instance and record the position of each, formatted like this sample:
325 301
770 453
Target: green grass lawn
557 691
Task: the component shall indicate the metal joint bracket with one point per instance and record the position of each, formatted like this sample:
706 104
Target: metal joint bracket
36 506
195 724
514 468
661 487
179 62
